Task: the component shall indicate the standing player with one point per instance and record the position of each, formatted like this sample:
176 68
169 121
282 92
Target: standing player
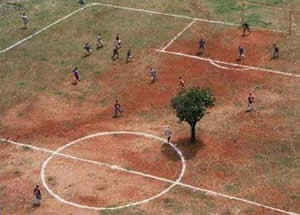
250 102
115 54
118 42
25 20
37 196
153 75
100 43
181 84
117 109
201 46
241 53
246 27
275 53
168 133
128 56
76 74
88 48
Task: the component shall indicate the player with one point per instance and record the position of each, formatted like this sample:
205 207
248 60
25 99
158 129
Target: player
153 75
128 56
118 42
76 74
275 53
81 1
88 48
246 27
100 43
117 109
241 53
201 46
250 102
115 54
37 196
25 20
181 84
168 133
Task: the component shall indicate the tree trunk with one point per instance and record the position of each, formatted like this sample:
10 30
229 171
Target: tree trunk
193 133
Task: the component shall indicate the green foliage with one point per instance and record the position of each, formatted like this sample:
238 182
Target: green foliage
191 105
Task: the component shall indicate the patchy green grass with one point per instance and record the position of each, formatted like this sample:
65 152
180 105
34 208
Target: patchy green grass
124 211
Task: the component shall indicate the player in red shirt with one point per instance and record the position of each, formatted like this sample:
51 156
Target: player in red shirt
181 83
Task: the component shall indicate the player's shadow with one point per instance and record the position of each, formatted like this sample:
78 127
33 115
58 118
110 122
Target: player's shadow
199 54
22 29
188 150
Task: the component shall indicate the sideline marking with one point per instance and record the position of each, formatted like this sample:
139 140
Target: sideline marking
130 9
206 191
44 29
230 64
178 35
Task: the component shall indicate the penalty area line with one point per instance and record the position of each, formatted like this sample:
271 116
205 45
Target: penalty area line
229 64
114 167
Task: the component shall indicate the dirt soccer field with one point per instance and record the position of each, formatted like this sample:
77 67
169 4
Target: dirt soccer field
64 137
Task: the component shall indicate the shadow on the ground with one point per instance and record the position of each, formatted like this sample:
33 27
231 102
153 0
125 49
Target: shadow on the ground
188 150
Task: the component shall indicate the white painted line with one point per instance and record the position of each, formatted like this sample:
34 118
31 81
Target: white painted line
178 35
174 183
224 67
44 29
124 8
206 191
230 64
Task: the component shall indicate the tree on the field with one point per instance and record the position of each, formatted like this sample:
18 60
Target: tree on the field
191 106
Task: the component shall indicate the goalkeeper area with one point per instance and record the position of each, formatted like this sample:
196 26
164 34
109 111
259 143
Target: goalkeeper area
64 137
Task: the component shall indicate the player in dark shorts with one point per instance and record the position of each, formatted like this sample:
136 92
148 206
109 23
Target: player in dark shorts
128 56
181 83
201 46
100 43
250 102
115 54
118 42
37 196
117 109
275 53
88 48
76 74
241 53
246 27
153 75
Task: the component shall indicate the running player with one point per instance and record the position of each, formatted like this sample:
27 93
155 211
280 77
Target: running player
250 102
88 48
168 133
128 56
76 74
117 109
246 27
115 54
100 43
181 83
275 53
153 75
118 42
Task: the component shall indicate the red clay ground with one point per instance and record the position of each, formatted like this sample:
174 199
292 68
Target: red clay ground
236 151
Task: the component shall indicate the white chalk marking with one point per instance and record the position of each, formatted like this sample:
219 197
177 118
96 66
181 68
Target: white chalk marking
224 67
178 35
116 168
230 64
206 191
124 8
44 29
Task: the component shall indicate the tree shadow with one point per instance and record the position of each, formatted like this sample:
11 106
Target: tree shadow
188 150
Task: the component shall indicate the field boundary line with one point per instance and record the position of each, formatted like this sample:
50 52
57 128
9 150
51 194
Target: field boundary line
130 9
229 64
44 29
206 191
178 35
